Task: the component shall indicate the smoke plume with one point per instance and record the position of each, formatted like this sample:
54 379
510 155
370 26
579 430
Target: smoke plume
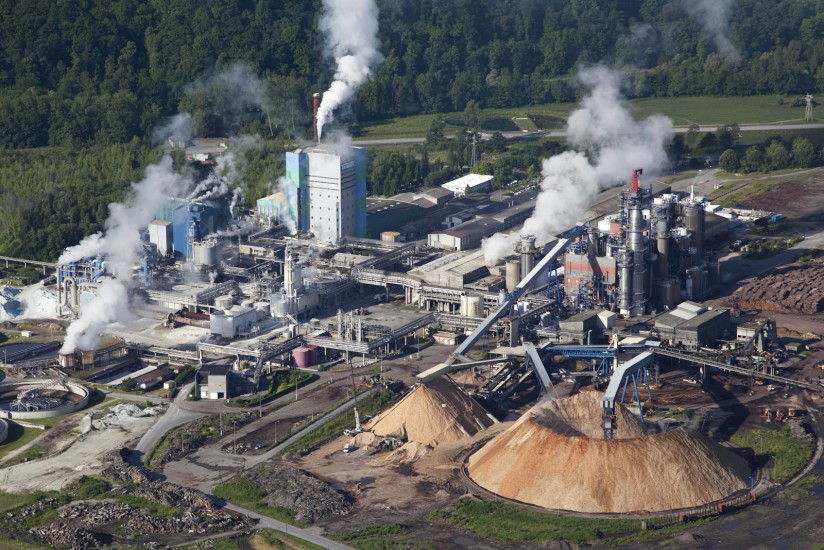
351 29
285 215
177 129
121 244
609 144
714 17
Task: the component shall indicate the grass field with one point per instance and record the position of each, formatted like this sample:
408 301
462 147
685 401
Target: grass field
790 452
682 110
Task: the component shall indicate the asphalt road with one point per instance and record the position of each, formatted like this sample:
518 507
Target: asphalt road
563 133
175 416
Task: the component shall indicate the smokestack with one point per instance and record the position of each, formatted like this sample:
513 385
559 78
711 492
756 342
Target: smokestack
635 173
315 106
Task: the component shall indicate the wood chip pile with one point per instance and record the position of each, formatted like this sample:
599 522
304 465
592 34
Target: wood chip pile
434 413
555 457
792 290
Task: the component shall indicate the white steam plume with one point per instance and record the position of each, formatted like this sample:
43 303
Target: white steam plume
285 215
121 245
177 129
610 145
714 17
351 29
110 305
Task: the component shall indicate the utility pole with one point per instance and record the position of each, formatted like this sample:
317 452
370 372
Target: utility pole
234 436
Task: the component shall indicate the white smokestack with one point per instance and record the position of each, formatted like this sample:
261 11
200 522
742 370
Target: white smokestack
351 29
611 144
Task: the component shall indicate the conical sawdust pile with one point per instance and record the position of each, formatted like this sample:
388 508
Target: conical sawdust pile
434 413
468 377
556 457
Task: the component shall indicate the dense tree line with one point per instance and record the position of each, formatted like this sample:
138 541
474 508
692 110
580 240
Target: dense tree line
50 199
77 72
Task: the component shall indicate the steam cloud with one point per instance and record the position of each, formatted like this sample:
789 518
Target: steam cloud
351 28
121 245
178 129
714 17
609 143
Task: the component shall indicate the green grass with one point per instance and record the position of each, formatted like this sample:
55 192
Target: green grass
705 110
15 500
790 453
746 189
18 437
709 111
369 405
801 489
502 522
276 539
390 536
244 492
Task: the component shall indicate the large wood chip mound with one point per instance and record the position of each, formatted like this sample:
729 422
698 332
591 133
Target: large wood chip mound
556 457
434 413
791 290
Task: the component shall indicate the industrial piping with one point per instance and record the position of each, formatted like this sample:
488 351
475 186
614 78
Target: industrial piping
512 298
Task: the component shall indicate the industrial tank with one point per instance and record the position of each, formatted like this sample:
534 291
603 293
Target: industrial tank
302 357
694 223
697 280
513 274
472 306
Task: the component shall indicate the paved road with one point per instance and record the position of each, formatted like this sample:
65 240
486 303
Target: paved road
209 465
265 521
175 416
563 133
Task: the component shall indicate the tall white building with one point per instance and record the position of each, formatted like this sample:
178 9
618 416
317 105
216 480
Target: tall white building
331 191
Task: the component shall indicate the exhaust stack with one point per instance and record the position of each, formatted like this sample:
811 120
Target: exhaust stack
315 106
635 173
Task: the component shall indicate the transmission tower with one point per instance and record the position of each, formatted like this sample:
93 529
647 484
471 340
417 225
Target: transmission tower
808 111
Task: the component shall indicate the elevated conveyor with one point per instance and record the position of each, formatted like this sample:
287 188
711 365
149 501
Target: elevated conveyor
623 373
514 296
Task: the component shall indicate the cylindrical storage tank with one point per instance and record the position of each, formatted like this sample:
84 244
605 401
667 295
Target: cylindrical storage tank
474 306
301 357
262 306
664 293
696 282
694 223
513 274
390 237
207 254
224 302
248 303
313 354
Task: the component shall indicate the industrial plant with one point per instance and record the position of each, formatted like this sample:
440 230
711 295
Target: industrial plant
570 342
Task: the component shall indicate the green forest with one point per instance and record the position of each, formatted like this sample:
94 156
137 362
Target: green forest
76 72
85 85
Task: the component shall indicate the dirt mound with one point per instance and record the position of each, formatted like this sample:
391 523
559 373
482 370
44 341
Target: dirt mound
791 290
434 413
546 459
